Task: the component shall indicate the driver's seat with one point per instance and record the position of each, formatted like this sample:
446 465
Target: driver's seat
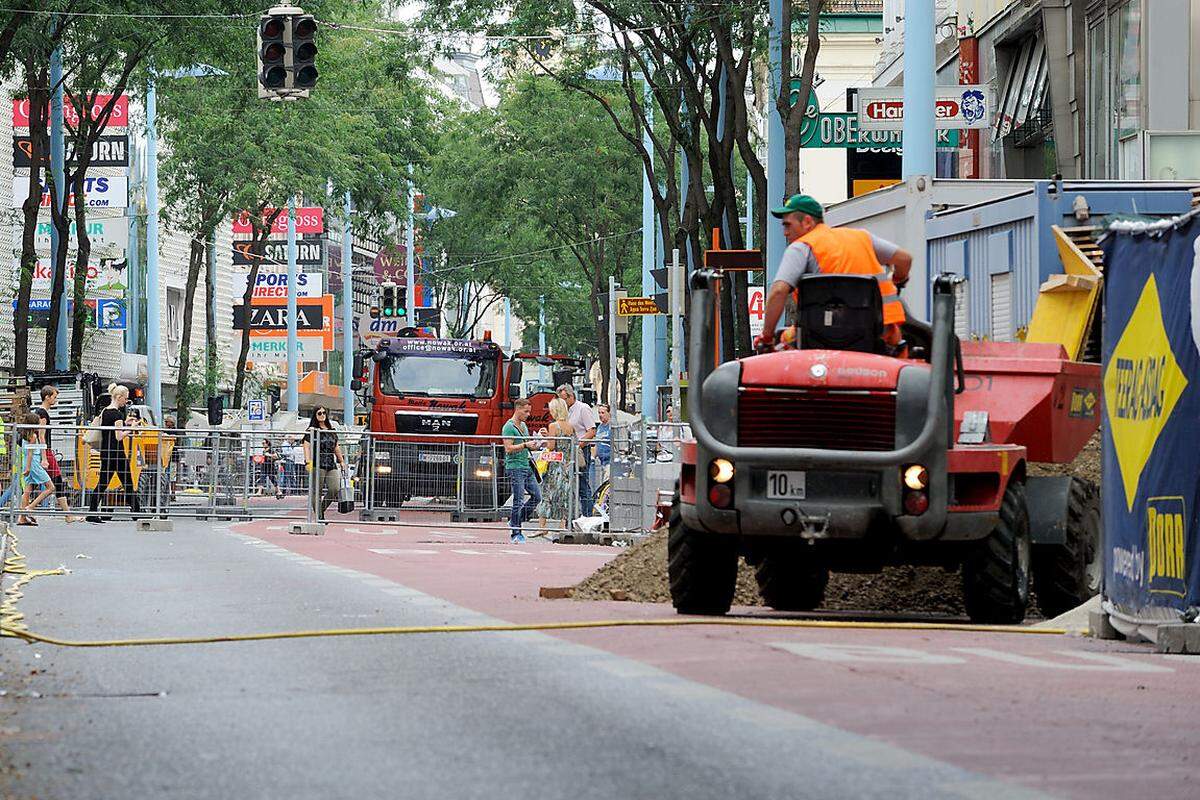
840 312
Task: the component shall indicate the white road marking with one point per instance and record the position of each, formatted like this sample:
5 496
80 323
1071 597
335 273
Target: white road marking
516 552
401 551
865 653
1100 662
470 552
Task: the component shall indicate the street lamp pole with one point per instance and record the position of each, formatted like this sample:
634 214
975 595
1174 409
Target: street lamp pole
410 240
919 156
153 301
347 318
57 157
776 170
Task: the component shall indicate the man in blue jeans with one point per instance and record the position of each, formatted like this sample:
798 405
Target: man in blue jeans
517 445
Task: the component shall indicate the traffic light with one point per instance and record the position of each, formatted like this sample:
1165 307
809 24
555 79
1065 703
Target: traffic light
287 53
387 299
272 74
393 300
304 51
662 279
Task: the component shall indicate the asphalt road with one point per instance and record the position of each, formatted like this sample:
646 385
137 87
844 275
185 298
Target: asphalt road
441 716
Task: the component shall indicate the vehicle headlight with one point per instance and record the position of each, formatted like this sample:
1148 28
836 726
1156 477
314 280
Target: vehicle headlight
720 470
916 477
383 469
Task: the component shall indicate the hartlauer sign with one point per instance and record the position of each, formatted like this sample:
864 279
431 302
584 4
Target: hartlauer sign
956 107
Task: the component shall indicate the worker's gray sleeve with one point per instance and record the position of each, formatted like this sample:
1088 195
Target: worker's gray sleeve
797 261
884 250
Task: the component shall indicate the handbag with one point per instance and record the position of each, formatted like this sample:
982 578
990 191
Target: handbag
346 495
93 436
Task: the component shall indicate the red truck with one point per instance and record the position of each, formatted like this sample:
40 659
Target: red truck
435 397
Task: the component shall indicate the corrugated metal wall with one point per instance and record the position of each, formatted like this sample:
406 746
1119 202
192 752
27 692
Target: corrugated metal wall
983 255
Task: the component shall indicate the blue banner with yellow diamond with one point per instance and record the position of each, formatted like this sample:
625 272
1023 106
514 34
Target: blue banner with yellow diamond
1151 489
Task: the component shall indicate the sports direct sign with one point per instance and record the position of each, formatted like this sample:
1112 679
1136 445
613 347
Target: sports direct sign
275 285
956 107
103 192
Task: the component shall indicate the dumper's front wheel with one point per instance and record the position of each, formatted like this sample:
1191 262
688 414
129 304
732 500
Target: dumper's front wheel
702 568
1069 574
790 579
996 574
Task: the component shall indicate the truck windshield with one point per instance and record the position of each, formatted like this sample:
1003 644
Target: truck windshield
438 376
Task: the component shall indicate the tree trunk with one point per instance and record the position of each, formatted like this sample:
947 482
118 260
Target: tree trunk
38 112
195 261
793 116
258 245
79 293
60 220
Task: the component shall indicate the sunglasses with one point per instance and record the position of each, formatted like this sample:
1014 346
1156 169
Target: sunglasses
321 414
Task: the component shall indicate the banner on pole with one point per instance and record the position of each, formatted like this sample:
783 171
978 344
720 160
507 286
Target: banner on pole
119 118
1151 467
107 151
105 191
309 252
308 220
274 285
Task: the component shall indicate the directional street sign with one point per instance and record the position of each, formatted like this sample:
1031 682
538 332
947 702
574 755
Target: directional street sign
636 306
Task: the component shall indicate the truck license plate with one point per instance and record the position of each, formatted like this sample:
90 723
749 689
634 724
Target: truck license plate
785 485
434 458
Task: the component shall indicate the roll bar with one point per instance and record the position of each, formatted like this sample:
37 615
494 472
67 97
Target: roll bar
701 364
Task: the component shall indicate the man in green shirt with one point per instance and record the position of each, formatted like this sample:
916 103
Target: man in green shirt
517 445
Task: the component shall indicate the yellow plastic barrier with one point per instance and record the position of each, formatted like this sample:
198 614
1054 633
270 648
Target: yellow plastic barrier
144 449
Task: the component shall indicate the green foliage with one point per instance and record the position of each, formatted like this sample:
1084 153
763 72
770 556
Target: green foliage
548 201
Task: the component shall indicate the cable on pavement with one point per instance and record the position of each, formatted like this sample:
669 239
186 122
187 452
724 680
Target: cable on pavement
12 622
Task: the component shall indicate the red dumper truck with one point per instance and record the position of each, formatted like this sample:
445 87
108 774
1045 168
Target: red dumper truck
843 453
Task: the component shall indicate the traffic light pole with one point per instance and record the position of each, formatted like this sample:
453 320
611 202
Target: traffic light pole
612 345
293 377
347 320
919 154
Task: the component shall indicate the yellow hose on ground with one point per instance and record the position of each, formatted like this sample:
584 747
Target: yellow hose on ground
12 623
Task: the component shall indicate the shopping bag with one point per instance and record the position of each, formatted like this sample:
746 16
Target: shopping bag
346 495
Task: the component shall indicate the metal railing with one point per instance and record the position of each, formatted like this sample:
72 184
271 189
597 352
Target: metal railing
297 475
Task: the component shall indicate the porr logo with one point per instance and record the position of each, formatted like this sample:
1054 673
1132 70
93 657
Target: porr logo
1166 534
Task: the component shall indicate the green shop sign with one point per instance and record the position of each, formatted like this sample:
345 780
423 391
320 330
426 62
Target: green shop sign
840 129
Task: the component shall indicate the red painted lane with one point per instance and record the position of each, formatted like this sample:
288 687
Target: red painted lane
1075 717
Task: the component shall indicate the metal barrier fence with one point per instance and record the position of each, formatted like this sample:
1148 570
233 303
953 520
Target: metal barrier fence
642 470
259 473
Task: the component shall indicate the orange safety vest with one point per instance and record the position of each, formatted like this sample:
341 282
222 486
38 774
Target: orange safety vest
849 251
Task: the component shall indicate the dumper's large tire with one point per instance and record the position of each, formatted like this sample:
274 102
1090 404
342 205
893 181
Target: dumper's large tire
1068 574
996 574
789 580
702 568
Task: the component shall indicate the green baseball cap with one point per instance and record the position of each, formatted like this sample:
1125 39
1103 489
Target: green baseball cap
802 203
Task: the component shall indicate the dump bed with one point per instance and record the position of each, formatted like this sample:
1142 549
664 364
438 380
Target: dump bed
1034 396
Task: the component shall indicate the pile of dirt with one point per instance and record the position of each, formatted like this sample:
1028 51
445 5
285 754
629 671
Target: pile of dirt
640 574
1086 465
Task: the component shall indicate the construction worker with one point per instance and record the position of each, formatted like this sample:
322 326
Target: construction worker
815 247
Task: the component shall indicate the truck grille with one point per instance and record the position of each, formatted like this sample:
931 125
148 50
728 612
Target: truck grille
822 419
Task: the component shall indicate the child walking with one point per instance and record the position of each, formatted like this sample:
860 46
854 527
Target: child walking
33 452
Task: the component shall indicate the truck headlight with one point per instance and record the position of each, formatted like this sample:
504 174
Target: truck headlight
720 470
916 477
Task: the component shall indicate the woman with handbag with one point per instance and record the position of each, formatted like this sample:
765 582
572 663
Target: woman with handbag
324 468
113 459
560 459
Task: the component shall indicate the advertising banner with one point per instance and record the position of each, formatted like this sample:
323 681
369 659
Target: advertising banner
108 234
308 220
273 349
106 275
107 151
309 252
756 303
1151 371
105 191
274 285
961 107
268 318
119 118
